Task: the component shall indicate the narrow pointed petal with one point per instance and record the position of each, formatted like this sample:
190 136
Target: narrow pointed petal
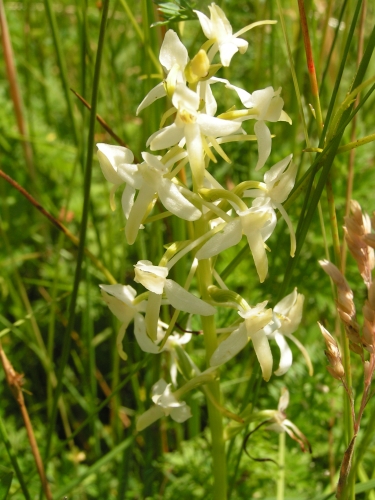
264 143
286 356
119 339
293 242
276 171
152 315
149 417
195 151
285 304
140 333
229 237
166 137
263 352
175 202
256 245
127 200
216 127
304 352
154 94
205 24
231 346
137 213
183 300
285 118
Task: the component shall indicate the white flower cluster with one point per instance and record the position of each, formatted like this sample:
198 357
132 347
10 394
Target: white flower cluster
193 137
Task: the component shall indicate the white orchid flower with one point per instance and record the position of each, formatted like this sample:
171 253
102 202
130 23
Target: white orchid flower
256 223
174 58
154 278
255 320
190 125
219 30
153 182
278 183
287 315
280 423
165 404
112 160
262 325
265 105
120 300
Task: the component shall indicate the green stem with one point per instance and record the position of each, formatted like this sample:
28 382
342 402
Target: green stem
219 465
281 472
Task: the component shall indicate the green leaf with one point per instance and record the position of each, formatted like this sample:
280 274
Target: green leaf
6 477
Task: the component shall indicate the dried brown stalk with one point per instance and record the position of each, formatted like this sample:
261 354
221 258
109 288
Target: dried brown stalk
14 89
15 381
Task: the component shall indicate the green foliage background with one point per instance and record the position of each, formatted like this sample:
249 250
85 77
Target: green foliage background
37 263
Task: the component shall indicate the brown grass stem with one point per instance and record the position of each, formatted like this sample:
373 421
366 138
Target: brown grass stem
15 93
14 380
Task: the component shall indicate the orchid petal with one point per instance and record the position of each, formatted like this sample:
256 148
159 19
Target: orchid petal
263 352
264 143
173 51
175 202
144 341
216 127
127 200
227 51
205 24
181 413
229 237
195 151
119 339
165 137
231 346
181 299
151 277
256 245
154 94
137 212
286 356
110 157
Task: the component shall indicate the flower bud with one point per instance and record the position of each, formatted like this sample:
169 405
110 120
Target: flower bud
198 67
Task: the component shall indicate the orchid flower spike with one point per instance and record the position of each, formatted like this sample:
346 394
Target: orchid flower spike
219 31
165 404
174 58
